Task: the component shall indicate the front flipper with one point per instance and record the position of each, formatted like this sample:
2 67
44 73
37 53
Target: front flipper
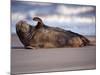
30 47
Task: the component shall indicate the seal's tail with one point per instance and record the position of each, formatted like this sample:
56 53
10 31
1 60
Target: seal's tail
84 40
88 42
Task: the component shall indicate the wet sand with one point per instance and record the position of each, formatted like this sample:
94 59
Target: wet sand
24 61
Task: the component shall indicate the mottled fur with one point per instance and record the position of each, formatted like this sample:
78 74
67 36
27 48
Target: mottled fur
42 36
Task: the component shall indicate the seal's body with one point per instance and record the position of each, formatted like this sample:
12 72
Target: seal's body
42 36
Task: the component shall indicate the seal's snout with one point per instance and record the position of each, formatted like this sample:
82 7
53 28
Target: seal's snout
22 26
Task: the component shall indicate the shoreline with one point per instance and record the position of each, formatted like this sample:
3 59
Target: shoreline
26 61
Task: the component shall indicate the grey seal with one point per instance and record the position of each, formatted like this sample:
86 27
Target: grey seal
43 36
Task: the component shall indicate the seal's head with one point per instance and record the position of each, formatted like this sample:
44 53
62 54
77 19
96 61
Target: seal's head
23 31
22 26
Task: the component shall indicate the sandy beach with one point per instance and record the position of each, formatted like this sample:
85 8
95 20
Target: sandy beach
24 61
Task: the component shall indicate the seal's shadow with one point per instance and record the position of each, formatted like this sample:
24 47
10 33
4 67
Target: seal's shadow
17 48
22 48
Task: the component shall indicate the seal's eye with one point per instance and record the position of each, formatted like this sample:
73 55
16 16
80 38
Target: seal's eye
24 27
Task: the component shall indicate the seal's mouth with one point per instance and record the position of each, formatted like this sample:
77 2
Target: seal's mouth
22 26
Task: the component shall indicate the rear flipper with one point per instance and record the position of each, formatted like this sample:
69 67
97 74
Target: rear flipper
85 41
